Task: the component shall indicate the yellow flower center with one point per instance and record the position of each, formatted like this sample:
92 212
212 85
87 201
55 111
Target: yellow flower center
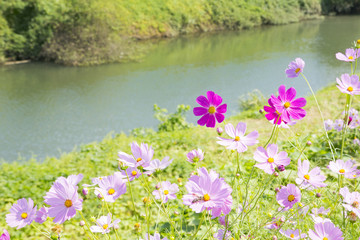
237 138
292 235
166 192
105 226
297 70
111 191
100 178
138 160
307 177
212 110
287 105
68 203
24 215
351 57
342 171
355 204
325 238
133 173
358 41
291 198
206 197
350 89
270 160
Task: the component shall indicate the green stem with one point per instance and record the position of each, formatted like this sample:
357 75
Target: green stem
87 225
201 220
345 124
132 197
37 229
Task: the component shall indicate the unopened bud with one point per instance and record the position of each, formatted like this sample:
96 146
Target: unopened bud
82 223
352 216
93 219
238 175
274 237
309 143
276 174
318 195
146 200
219 130
137 225
176 213
85 191
261 111
157 186
277 190
179 180
100 196
281 168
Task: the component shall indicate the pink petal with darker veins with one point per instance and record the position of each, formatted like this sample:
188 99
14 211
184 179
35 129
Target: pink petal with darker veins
203 120
199 111
203 101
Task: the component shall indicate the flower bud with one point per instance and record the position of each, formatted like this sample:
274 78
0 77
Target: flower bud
93 219
281 168
176 213
137 225
276 174
352 216
85 191
157 186
261 111
308 143
318 195
99 196
277 190
219 130
82 223
238 175
274 237
179 180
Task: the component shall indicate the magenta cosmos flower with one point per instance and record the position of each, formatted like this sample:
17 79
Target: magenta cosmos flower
238 139
287 105
293 234
63 200
349 56
351 200
195 156
210 109
272 114
155 237
5 235
156 165
344 168
21 213
166 191
295 68
111 187
41 215
207 191
349 84
104 224
309 179
325 230
142 155
269 159
288 196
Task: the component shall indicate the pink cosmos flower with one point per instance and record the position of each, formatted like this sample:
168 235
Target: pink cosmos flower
269 159
142 155
272 114
221 235
63 200
41 215
111 187
166 191
195 156
207 191
293 234
325 230
104 224
344 168
5 235
287 105
338 125
131 173
329 124
21 213
157 165
349 84
288 196
155 237
238 139
349 56
351 200
210 109
309 179
295 68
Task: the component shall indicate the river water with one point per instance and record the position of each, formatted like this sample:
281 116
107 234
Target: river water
46 109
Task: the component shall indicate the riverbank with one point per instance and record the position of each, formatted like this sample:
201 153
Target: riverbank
95 32
33 179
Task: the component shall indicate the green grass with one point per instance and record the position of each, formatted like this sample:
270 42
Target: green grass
33 179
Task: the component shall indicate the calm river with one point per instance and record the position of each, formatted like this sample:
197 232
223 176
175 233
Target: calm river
47 109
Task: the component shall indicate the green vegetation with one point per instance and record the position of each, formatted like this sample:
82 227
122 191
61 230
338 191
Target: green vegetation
176 138
85 32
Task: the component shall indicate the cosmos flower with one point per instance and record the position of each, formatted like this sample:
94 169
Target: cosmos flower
288 196
269 159
220 235
238 139
63 200
195 156
155 237
157 165
21 213
287 105
41 215
293 234
272 114
295 68
5 235
309 179
338 125
104 224
111 187
142 155
349 84
207 191
329 124
325 230
166 191
349 56
210 110
344 168
351 200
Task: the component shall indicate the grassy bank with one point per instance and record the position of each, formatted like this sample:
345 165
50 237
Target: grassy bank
86 32
33 179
